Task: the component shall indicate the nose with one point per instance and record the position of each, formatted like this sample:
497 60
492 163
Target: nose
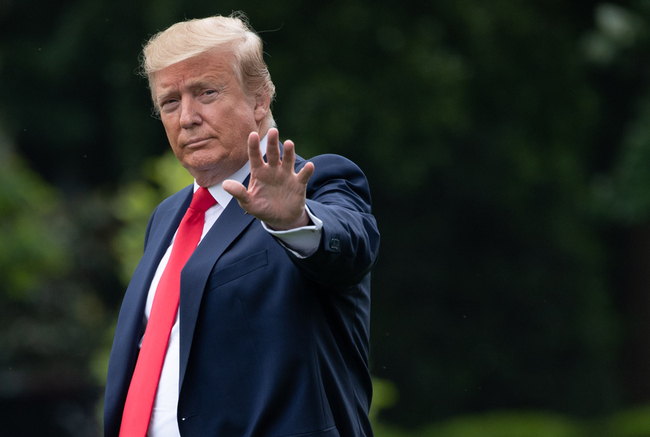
190 113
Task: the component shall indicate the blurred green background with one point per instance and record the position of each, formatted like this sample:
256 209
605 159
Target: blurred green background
507 144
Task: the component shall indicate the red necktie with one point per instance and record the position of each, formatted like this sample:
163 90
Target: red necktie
142 391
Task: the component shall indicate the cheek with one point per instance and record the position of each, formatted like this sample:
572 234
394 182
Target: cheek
234 124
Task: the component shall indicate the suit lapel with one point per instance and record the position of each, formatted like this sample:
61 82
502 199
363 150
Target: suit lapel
130 328
232 222
158 242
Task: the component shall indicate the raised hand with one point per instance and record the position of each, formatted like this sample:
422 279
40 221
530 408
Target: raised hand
276 193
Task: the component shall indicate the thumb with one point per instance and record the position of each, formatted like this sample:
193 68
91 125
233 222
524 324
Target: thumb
237 190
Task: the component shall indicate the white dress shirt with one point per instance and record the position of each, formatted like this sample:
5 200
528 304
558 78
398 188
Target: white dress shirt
301 241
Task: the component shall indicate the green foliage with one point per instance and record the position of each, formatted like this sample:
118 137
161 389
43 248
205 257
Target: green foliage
506 144
136 201
509 423
623 196
505 424
634 422
31 248
384 395
492 269
47 321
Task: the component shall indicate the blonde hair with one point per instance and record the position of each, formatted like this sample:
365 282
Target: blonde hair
189 38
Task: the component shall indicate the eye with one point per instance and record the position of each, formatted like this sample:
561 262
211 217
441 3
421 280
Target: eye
167 104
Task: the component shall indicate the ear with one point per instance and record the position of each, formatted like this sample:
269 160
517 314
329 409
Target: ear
262 106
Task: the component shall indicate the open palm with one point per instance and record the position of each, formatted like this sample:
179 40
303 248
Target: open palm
276 194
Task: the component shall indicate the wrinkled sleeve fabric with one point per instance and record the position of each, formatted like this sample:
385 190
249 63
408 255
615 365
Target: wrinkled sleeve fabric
339 195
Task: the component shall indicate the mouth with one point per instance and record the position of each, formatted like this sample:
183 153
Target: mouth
196 143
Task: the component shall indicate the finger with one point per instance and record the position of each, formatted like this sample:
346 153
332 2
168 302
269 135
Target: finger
305 173
273 147
289 155
237 190
254 152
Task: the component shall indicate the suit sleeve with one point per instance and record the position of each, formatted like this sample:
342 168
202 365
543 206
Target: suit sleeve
338 194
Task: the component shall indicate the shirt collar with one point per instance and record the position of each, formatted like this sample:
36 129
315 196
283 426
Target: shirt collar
222 196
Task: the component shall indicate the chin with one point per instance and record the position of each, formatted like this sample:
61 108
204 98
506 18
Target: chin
200 170
201 160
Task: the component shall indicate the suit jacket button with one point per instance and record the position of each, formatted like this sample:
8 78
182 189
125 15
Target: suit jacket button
335 244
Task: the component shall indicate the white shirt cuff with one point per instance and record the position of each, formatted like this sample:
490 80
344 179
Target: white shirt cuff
302 241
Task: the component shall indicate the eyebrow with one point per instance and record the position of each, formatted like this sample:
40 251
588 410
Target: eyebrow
193 84
162 98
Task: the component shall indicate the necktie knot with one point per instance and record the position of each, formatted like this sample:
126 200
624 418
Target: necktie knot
202 200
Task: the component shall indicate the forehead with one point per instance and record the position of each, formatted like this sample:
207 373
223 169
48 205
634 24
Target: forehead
212 66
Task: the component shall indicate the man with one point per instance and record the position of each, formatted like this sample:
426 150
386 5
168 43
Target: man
265 331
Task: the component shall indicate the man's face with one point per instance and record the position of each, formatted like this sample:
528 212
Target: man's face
206 115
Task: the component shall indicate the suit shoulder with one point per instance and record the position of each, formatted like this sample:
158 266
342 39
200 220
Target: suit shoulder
337 179
329 161
335 167
330 166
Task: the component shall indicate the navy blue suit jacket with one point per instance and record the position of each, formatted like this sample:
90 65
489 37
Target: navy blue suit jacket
270 344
